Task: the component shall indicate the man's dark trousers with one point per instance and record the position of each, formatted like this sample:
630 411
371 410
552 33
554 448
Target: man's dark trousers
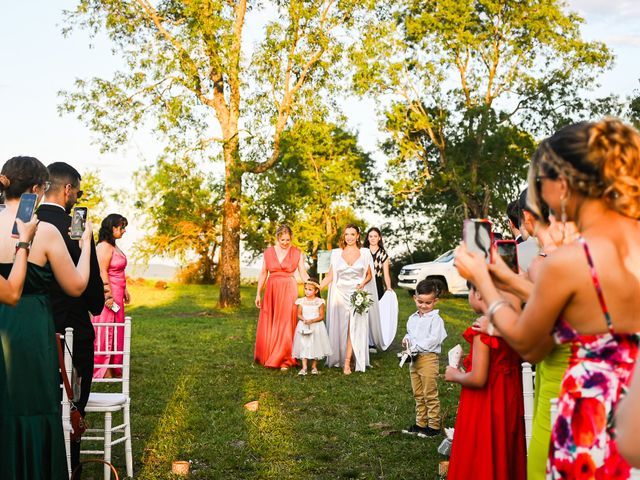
74 311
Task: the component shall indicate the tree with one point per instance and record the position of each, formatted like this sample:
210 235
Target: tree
471 85
319 179
188 69
183 207
94 197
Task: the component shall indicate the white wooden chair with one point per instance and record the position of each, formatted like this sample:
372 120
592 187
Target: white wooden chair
66 401
110 403
528 388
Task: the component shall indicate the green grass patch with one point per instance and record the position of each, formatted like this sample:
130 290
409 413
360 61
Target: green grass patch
193 371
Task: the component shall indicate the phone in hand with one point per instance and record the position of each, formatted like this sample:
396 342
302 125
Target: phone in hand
478 236
25 210
115 307
78 221
508 251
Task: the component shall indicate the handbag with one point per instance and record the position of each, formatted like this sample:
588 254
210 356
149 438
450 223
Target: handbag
78 424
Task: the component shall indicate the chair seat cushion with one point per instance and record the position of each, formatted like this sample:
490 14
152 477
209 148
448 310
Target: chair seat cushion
97 399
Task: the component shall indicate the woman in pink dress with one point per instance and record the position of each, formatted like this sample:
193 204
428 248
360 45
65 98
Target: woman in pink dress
277 322
112 265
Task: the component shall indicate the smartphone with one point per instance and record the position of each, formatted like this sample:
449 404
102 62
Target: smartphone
478 236
508 251
78 221
115 307
25 210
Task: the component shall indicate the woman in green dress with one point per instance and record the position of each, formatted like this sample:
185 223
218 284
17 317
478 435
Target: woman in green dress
31 429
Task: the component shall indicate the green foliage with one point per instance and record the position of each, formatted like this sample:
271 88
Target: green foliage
190 75
182 209
94 197
314 187
472 84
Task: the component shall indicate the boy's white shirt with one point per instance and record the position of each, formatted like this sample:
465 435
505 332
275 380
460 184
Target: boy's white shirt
425 332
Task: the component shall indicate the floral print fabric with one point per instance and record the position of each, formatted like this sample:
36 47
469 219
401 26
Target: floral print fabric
583 442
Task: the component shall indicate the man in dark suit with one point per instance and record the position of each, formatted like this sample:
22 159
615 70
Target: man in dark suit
62 195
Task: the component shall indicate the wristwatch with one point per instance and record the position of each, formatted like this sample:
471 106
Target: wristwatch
25 245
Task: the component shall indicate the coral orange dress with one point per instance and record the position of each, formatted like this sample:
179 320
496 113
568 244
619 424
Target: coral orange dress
488 441
277 322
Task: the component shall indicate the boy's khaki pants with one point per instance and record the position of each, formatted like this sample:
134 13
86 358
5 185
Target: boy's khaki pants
424 373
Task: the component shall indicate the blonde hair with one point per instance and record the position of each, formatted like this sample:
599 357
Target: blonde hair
598 159
283 228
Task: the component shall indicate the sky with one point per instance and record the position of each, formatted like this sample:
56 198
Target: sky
36 62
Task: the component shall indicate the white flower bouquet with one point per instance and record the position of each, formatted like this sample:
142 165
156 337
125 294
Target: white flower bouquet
360 301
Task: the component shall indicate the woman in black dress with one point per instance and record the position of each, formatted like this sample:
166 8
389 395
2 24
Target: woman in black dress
373 241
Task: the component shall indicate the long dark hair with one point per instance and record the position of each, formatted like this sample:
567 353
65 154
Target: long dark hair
106 227
366 243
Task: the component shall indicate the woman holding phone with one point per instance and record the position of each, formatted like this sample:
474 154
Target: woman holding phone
113 263
586 293
31 436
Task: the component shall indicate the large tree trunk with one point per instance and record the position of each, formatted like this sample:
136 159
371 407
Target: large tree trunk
230 255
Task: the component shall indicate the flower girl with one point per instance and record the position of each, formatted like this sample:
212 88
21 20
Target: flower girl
311 340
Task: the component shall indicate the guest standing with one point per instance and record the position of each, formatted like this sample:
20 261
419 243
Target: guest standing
68 311
113 263
351 269
373 241
31 437
587 292
277 321
489 439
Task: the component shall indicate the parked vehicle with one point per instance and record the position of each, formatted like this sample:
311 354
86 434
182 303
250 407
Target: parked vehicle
441 269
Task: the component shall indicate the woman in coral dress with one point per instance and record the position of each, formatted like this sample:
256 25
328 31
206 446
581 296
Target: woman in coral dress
112 266
277 321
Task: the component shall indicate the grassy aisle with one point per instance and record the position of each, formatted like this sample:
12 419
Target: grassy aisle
192 372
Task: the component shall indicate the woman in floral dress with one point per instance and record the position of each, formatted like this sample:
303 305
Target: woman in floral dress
587 293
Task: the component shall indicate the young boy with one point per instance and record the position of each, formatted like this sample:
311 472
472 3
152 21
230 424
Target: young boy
425 334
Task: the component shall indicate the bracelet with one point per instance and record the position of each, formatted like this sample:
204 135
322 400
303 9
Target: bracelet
494 307
25 245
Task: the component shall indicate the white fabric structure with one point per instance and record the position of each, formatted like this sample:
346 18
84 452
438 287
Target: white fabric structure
341 319
388 310
109 403
528 388
66 401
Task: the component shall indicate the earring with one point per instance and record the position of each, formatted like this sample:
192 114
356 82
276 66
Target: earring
563 217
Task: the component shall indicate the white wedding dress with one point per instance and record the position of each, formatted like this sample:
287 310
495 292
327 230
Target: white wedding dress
341 318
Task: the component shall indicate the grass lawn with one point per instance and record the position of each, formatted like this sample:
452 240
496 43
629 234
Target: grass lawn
193 371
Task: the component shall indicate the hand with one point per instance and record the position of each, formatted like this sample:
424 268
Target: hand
87 235
307 322
471 265
258 302
359 286
26 231
481 324
108 302
451 374
127 297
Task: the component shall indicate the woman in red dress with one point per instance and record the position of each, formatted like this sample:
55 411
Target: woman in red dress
277 322
488 441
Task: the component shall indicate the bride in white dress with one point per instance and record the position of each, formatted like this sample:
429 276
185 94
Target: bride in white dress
351 269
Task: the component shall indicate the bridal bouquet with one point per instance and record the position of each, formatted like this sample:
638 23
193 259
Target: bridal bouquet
360 301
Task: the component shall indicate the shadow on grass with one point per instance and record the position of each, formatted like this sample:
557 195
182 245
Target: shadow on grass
192 372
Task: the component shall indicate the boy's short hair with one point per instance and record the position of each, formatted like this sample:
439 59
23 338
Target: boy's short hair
428 287
513 213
